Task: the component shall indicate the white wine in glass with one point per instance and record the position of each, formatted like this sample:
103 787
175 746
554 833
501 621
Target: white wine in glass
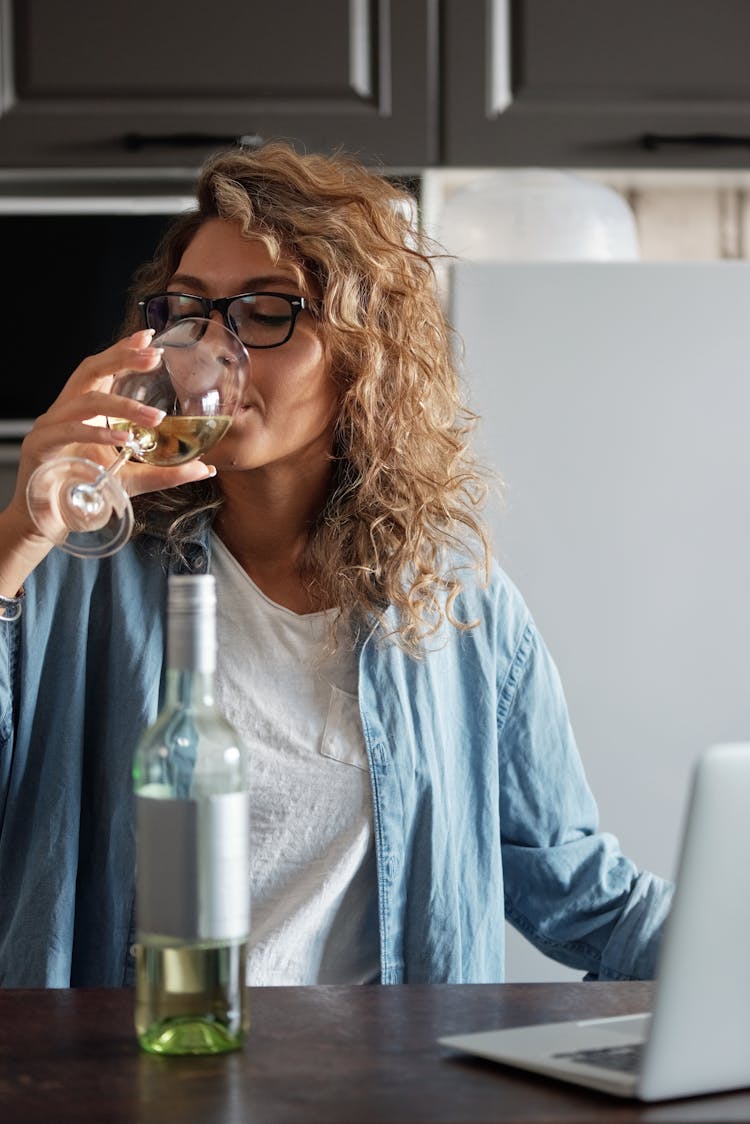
81 506
175 440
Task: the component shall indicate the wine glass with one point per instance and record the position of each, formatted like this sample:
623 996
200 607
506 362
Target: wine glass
81 506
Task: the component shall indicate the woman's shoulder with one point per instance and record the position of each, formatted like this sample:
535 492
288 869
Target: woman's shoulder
489 596
484 615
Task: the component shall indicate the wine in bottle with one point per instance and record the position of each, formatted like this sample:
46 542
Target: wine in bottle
192 853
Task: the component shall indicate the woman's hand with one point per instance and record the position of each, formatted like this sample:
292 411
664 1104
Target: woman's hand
75 425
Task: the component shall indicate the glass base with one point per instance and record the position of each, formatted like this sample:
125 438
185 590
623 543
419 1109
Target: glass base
79 507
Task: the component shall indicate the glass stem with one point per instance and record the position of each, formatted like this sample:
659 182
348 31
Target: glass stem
121 459
84 493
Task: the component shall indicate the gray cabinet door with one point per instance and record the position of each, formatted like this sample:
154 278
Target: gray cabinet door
589 83
147 83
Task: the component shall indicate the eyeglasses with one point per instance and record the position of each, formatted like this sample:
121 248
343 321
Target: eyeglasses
259 319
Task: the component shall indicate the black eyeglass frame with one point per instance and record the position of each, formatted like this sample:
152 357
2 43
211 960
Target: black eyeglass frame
221 304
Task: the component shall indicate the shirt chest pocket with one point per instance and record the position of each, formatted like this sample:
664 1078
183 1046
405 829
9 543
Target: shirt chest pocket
343 739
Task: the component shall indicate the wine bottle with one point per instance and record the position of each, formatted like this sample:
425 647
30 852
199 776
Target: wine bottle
192 849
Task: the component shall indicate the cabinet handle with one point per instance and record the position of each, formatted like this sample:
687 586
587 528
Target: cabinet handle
134 142
499 58
653 141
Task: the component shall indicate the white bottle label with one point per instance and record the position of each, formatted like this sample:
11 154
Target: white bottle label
193 867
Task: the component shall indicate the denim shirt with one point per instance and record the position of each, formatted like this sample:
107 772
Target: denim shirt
481 808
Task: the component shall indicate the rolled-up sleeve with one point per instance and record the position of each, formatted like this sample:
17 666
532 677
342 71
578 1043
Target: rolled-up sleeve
10 638
568 887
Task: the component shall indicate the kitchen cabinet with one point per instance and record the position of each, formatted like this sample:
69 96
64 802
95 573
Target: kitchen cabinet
404 83
152 83
597 83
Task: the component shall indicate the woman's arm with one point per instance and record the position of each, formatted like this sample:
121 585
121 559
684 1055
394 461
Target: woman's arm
569 889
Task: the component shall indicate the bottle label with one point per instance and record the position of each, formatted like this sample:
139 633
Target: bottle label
193 867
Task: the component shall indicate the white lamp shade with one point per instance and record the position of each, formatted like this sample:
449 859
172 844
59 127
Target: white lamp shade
537 215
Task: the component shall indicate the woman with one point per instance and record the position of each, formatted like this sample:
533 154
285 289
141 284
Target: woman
415 778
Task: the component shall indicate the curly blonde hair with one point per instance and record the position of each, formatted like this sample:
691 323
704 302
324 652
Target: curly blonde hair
401 522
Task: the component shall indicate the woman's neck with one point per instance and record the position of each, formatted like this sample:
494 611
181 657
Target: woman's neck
264 522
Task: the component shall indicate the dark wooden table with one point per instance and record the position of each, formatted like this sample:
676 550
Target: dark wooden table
328 1054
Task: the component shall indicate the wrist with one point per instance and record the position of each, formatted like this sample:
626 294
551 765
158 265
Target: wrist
22 548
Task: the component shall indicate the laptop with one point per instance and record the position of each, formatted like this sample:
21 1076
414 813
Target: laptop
697 1038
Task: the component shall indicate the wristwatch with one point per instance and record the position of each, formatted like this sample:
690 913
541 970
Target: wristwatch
11 607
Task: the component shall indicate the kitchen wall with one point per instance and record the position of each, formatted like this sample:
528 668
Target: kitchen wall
613 400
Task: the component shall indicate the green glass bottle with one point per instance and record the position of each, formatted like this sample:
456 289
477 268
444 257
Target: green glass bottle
191 781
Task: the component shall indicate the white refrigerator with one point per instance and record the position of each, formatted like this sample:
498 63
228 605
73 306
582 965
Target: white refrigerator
615 403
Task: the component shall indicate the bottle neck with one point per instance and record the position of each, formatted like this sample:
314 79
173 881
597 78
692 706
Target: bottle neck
185 688
191 657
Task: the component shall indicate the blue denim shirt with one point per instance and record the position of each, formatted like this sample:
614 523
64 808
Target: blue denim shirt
481 807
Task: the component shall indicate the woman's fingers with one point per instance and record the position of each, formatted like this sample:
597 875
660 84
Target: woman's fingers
96 404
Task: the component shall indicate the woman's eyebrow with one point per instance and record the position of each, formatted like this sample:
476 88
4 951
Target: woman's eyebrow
250 285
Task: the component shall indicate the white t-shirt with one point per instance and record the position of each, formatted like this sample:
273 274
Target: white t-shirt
295 705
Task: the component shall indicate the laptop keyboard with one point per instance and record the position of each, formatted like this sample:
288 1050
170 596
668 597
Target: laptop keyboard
625 1059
